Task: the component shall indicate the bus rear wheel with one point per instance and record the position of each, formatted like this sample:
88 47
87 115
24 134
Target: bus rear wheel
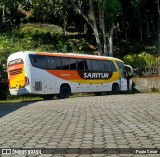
115 89
48 97
65 92
98 93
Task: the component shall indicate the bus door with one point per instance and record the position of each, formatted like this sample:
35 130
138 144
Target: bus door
126 82
129 71
124 79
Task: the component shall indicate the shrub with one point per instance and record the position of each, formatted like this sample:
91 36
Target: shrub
143 62
4 91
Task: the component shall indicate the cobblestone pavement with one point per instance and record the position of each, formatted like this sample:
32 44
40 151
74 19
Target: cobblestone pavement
110 121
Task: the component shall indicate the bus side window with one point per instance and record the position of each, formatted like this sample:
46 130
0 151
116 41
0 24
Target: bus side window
73 64
94 65
100 65
80 64
87 64
38 61
106 66
50 63
112 66
65 63
58 64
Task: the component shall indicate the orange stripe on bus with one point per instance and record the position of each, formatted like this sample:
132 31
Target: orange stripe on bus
73 76
66 75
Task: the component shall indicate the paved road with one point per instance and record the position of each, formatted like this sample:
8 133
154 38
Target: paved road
110 121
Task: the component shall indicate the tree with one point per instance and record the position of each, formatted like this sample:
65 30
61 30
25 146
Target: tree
158 29
10 13
102 24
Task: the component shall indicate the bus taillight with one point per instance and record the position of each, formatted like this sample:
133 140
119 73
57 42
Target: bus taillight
26 81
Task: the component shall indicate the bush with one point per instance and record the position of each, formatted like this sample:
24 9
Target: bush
4 90
143 62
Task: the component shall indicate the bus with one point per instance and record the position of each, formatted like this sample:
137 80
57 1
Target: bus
62 74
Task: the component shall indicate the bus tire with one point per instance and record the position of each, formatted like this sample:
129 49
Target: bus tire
115 89
48 97
65 92
98 93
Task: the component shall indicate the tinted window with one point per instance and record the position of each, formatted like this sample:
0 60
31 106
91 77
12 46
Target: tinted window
50 63
65 63
80 64
57 62
73 64
38 61
106 66
100 65
112 66
87 64
120 65
94 65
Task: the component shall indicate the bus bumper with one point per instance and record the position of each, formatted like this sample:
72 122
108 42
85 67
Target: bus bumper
21 91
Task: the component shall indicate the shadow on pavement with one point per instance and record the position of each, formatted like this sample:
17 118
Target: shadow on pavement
7 108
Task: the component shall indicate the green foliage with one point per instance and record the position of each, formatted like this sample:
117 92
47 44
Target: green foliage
142 61
38 27
113 8
4 92
39 38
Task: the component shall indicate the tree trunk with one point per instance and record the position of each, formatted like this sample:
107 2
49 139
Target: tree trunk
158 33
124 28
92 23
3 16
95 29
140 26
158 29
147 27
104 36
153 24
110 46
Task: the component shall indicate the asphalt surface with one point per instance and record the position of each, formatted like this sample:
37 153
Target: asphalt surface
109 125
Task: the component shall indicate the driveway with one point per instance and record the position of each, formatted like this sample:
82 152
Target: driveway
109 125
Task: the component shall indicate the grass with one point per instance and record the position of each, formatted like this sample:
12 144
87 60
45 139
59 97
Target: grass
17 99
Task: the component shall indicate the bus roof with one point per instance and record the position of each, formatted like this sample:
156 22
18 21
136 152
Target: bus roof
72 55
79 56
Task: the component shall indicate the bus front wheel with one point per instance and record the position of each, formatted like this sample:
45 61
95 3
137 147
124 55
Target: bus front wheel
65 92
115 89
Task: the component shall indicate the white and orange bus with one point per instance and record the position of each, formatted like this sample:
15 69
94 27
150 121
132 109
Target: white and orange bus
60 74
